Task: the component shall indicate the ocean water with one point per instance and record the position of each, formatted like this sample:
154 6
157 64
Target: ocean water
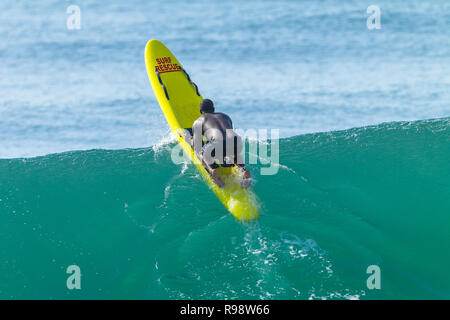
85 171
299 66
139 226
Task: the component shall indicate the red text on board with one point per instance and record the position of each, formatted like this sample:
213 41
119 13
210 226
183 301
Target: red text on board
165 65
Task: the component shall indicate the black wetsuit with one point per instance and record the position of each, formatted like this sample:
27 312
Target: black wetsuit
217 129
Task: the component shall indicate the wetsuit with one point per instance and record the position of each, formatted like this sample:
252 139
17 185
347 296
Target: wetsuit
216 128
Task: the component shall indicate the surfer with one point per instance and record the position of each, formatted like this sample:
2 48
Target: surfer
217 129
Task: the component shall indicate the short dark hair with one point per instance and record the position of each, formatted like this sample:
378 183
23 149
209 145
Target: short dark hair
206 106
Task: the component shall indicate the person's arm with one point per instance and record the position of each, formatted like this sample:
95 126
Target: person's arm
228 120
241 165
197 132
188 136
231 122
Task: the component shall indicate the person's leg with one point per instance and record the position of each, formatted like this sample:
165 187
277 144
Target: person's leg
208 160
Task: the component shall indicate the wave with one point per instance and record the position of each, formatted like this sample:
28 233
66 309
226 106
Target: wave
140 226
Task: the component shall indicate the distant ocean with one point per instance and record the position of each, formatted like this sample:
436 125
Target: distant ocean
364 177
299 66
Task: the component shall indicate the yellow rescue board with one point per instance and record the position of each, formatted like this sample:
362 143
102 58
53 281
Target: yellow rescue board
179 100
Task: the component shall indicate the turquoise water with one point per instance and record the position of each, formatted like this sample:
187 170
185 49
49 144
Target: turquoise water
86 176
141 227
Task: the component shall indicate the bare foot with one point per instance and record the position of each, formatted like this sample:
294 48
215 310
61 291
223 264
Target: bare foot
246 181
217 179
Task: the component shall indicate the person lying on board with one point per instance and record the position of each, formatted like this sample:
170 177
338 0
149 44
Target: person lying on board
223 146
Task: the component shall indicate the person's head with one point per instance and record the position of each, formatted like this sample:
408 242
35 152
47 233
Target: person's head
206 106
